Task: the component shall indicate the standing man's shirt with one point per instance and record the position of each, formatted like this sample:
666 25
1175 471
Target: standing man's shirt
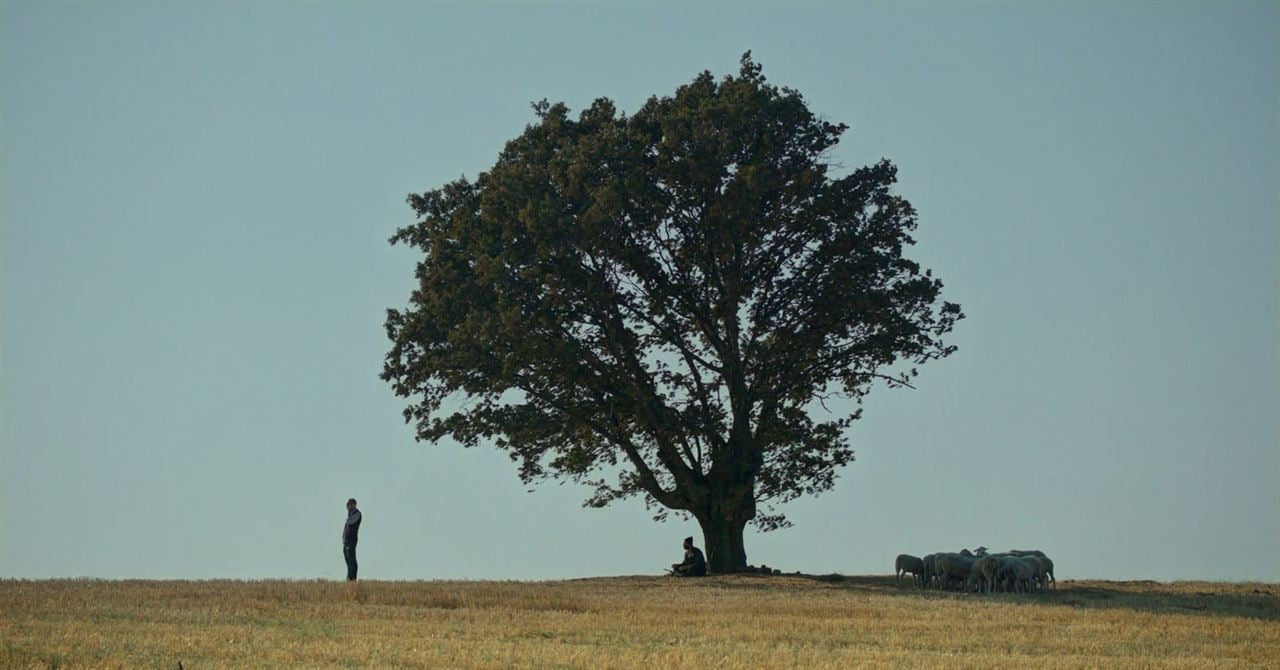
351 531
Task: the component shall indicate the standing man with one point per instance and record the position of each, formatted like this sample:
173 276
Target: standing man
350 534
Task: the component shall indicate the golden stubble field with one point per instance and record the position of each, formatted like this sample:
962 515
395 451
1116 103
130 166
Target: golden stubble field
632 622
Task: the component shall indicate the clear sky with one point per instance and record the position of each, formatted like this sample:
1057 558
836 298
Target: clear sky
195 201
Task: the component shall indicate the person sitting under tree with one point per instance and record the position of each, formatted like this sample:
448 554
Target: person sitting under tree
694 565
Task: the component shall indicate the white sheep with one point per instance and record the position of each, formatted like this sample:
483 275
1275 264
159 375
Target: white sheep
1040 571
953 566
1044 559
908 564
930 569
984 573
1017 574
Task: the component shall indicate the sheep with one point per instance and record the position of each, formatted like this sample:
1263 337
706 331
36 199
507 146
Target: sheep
1039 554
1016 573
1039 569
1003 580
984 573
930 567
906 563
956 566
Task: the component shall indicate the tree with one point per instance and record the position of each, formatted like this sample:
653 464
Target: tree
659 304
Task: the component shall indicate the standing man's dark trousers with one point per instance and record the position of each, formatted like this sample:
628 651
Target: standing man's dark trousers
349 553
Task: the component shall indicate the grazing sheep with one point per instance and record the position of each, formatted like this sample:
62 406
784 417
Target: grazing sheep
1048 567
930 567
1039 570
1014 571
906 563
1017 574
1040 555
953 566
984 573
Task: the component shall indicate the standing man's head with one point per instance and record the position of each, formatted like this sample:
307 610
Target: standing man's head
688 543
351 504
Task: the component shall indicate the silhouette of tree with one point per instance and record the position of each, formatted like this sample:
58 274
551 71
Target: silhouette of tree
658 304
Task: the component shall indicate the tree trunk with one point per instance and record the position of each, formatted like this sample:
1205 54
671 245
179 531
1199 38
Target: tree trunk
722 537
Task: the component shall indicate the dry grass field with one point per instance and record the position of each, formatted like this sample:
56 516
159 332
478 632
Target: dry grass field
630 622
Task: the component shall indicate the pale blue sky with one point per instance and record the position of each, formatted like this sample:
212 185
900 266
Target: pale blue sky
195 201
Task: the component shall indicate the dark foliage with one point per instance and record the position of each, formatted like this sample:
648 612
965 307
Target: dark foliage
653 304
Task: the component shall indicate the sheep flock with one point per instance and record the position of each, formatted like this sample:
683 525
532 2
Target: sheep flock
977 571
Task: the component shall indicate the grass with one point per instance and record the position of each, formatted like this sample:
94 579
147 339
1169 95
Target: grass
629 622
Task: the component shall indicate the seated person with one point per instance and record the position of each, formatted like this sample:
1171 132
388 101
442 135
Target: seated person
694 564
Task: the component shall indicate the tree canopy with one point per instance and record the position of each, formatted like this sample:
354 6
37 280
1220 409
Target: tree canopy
658 304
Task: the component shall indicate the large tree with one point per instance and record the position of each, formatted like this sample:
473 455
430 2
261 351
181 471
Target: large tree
659 304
